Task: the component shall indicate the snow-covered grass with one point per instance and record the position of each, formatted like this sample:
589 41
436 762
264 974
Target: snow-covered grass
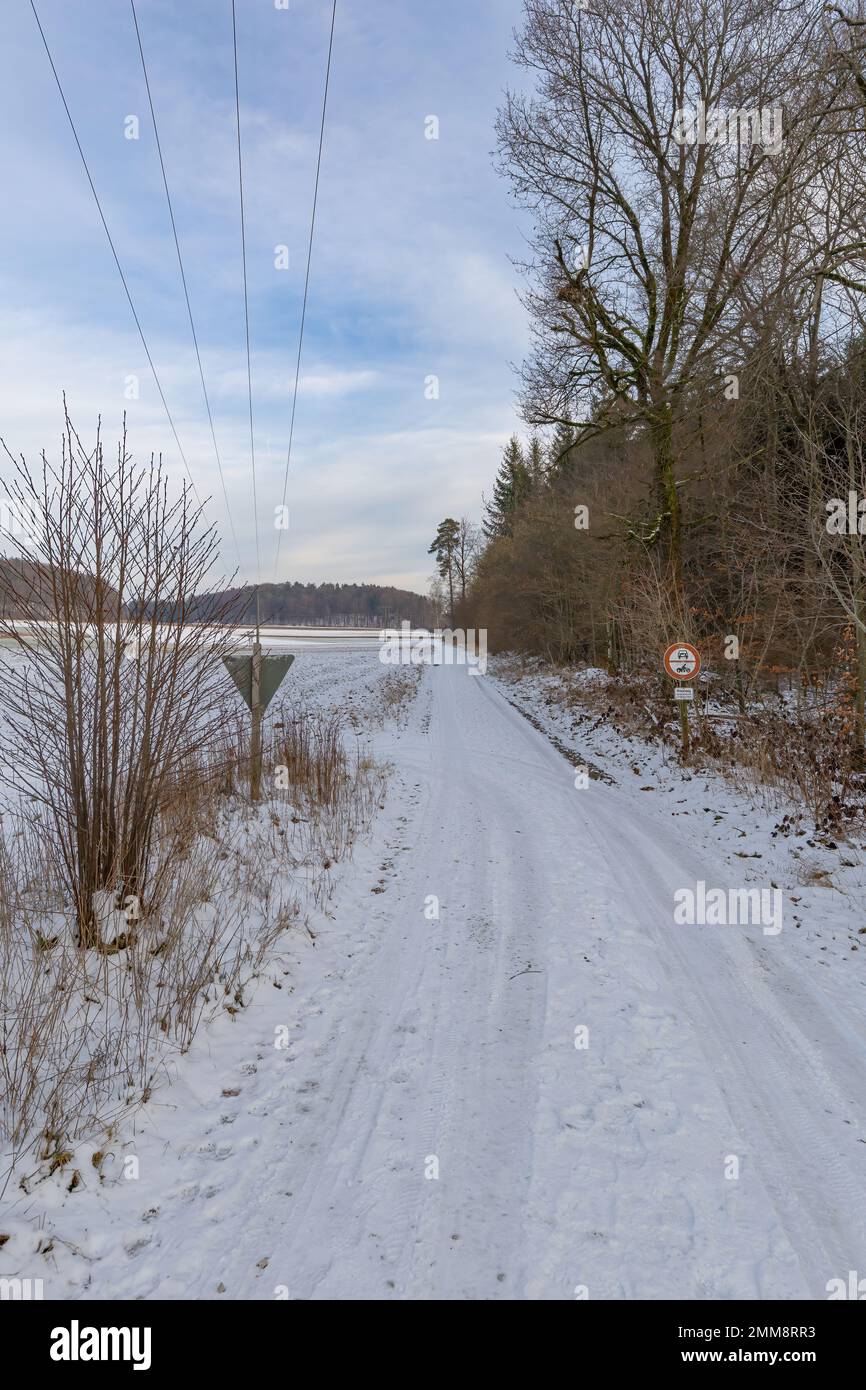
762 831
90 1035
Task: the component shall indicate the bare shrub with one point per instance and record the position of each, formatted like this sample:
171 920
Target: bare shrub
117 691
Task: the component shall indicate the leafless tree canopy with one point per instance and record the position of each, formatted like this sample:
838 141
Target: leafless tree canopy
663 260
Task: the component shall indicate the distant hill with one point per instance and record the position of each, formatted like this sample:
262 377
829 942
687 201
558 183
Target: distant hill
17 578
330 605
25 588
292 604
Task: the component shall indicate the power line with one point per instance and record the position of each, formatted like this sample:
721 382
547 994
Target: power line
183 280
307 277
114 253
246 311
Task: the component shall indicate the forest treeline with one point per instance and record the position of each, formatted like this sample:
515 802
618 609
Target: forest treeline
336 605
695 394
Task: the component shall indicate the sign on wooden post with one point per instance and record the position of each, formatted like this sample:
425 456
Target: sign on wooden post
258 678
682 662
274 668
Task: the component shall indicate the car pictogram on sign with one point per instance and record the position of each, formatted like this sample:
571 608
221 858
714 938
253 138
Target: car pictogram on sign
682 661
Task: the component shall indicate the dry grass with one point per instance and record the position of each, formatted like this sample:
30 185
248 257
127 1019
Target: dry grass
307 756
327 792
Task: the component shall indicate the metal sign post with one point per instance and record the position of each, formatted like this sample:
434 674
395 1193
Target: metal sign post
682 662
258 678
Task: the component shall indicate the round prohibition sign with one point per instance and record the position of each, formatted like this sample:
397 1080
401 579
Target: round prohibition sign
682 661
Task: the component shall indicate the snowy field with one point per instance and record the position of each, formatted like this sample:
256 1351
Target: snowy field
498 1069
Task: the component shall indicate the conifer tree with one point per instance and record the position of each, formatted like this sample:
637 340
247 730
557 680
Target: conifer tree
445 547
511 487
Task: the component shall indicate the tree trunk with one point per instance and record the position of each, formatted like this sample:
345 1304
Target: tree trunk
670 522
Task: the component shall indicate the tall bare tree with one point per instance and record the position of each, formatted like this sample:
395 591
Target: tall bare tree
662 154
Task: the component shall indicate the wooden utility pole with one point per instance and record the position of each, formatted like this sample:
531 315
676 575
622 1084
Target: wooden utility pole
684 728
256 711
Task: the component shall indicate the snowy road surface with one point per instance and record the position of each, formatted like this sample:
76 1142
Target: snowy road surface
434 1132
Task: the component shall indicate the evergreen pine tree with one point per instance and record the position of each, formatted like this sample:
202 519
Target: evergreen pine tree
536 463
511 487
558 456
445 546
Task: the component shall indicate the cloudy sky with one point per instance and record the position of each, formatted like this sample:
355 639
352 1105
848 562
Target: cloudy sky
411 274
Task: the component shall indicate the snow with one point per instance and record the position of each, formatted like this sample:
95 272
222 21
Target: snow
435 1127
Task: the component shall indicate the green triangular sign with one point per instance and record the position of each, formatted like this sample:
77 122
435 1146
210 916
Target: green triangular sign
274 668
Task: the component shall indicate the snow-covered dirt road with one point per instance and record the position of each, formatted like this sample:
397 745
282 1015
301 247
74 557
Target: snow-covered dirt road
509 1074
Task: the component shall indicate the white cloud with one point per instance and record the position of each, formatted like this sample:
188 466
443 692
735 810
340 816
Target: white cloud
410 273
